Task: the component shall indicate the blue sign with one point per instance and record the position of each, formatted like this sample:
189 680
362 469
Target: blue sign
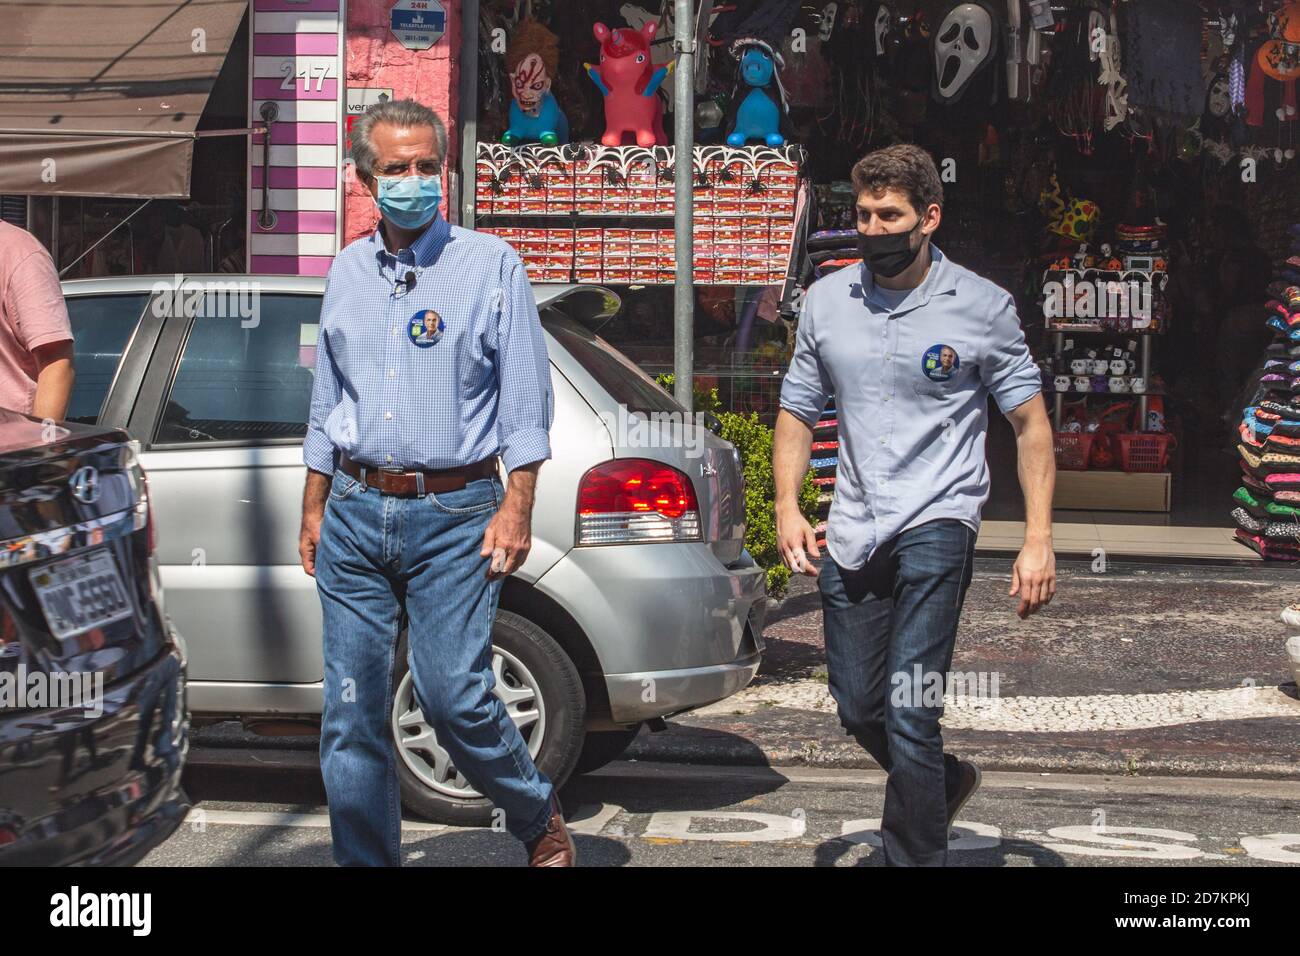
417 24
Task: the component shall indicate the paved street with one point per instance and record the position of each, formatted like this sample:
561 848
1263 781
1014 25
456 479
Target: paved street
1142 668
1147 717
639 814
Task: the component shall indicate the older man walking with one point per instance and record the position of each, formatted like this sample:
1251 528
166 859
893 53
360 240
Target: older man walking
430 364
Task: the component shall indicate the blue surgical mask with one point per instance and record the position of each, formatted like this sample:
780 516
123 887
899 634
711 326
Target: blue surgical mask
409 202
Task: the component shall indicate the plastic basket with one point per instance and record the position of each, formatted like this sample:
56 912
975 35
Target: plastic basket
1144 451
1072 450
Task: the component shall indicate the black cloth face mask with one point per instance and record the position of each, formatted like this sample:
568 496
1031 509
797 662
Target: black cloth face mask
890 253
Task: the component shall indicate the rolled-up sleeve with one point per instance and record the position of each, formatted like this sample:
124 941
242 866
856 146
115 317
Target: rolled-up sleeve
1006 367
317 449
525 403
35 303
807 386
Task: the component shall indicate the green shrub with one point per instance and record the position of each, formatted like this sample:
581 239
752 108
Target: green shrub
753 440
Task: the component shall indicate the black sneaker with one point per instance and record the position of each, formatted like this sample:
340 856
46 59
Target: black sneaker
970 782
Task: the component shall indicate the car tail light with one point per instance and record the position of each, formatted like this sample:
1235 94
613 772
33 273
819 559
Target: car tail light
143 505
634 500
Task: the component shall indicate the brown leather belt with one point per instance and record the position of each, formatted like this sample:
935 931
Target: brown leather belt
393 481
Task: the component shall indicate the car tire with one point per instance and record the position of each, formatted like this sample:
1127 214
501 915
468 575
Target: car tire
526 658
602 746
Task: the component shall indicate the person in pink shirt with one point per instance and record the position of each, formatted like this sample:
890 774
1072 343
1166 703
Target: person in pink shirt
36 370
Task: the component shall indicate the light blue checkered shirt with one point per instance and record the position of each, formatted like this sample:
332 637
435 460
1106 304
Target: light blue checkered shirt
911 380
482 388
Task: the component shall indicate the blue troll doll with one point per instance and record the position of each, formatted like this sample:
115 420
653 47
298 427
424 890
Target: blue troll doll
761 113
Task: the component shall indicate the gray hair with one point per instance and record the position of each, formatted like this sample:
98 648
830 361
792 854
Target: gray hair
403 114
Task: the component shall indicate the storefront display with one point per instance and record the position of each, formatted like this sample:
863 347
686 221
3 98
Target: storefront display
608 211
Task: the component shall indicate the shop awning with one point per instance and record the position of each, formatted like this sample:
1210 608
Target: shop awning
102 97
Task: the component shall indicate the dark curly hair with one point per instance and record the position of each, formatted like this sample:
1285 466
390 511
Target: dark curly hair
905 167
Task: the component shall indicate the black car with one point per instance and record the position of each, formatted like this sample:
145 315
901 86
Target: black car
93 722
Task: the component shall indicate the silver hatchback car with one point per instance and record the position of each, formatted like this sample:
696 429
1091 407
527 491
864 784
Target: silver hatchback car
637 601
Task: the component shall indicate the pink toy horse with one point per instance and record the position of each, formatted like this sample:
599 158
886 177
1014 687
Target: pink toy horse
629 81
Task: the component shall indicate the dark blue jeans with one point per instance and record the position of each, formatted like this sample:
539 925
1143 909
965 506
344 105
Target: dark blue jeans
886 623
380 555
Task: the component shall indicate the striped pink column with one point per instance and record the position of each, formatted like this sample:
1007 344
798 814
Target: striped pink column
298 64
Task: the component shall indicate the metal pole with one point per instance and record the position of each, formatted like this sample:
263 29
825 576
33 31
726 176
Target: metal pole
683 214
468 109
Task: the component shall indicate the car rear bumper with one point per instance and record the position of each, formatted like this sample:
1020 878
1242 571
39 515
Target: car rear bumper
105 789
673 628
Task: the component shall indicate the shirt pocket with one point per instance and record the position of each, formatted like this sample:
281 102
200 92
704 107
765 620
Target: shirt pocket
943 370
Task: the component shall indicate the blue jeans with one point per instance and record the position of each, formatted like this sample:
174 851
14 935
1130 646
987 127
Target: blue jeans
897 613
379 556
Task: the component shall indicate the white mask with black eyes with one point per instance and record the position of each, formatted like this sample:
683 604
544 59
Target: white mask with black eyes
963 44
882 28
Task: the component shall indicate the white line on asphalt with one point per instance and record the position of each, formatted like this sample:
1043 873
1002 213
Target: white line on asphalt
586 819
1089 783
1096 712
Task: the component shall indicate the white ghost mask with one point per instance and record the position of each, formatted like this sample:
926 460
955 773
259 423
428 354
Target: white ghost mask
963 45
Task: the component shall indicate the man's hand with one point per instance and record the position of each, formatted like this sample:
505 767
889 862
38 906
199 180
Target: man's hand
1033 577
509 535
507 541
313 511
797 541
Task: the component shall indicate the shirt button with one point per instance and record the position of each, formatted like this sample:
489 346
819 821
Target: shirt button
392 372
390 459
396 329
882 441
388 415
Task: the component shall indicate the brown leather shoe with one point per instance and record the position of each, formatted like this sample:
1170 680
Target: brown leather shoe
554 847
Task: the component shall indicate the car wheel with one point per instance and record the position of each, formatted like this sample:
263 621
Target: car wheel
602 746
542 693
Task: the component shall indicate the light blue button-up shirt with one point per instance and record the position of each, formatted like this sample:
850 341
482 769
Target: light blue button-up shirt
439 375
911 385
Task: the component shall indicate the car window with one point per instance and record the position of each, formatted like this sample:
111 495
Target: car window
614 371
101 327
245 379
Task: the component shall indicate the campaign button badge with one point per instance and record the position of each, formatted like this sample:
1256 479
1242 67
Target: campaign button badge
940 363
425 328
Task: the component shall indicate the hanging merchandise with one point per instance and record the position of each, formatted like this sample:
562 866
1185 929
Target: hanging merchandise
1162 54
1279 56
532 59
1076 102
628 80
758 110
965 45
882 28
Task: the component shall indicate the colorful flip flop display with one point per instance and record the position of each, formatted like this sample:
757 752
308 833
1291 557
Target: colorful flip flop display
1266 508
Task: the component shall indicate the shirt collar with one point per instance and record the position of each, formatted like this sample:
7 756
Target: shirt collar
938 280
422 252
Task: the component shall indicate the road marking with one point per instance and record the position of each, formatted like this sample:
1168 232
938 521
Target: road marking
1097 712
676 825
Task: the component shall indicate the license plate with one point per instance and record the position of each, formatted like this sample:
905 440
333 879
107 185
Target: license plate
81 593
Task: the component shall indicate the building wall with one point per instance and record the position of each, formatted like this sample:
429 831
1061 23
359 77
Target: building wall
376 60
296 57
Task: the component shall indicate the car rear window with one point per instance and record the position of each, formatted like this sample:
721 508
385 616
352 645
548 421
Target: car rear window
101 327
614 371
